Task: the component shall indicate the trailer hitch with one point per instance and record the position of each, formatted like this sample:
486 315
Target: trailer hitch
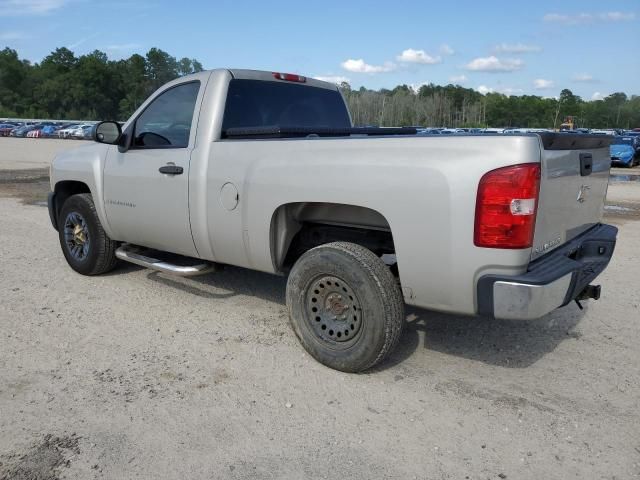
590 291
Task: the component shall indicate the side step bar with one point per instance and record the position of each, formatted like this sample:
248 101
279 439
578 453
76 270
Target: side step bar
131 253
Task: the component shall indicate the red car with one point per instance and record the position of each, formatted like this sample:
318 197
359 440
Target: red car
5 129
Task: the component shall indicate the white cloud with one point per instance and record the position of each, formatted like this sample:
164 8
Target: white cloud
597 96
415 87
509 91
123 46
483 89
14 8
618 16
13 36
458 78
337 79
542 84
446 49
417 56
586 18
583 77
516 48
493 64
79 42
359 66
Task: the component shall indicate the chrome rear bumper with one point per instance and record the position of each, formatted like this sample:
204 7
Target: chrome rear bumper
551 281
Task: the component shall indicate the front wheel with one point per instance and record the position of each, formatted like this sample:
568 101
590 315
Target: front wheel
84 243
345 306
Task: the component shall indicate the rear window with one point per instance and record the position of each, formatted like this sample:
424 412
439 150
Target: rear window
258 103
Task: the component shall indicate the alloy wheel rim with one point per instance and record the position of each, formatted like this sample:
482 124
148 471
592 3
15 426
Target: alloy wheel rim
76 235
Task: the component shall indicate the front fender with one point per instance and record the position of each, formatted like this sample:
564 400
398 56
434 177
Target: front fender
84 164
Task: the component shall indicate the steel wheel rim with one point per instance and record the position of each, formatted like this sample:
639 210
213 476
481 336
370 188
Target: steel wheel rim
333 311
76 236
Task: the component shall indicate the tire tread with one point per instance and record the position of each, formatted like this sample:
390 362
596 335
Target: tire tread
389 289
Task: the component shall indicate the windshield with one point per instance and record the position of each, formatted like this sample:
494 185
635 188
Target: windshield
257 103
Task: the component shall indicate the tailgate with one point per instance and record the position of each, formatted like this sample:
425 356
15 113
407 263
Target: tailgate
573 187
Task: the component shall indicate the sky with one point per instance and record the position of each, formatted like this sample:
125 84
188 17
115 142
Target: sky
513 47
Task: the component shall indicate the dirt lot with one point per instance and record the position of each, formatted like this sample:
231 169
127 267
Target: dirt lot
139 375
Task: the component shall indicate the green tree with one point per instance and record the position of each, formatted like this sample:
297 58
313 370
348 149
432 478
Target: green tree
161 68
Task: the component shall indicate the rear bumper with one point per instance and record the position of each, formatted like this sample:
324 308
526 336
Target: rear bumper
551 281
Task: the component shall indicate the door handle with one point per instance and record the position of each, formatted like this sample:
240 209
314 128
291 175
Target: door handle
171 170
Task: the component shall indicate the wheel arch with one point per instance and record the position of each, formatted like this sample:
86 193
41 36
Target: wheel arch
62 190
291 222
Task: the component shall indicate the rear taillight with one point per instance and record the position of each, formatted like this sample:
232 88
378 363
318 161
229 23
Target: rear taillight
289 77
506 207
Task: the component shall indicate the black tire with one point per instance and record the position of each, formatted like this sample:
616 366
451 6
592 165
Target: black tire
373 301
100 254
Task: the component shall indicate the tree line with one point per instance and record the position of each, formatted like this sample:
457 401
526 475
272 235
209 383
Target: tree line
89 87
92 87
456 106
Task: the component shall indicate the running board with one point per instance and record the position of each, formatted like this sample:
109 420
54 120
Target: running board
131 253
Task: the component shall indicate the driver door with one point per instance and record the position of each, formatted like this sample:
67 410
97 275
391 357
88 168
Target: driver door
146 191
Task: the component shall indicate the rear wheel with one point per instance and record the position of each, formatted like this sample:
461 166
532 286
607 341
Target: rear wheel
85 245
345 306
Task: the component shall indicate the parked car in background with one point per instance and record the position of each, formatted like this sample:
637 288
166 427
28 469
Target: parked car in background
636 139
50 130
5 129
623 152
82 131
515 130
21 131
66 130
493 130
34 133
40 130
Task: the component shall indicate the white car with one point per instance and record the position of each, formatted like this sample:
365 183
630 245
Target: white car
66 132
82 131
493 130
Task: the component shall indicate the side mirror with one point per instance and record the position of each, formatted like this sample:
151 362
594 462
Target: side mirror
107 132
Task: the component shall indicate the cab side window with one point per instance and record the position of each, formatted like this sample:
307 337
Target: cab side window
166 122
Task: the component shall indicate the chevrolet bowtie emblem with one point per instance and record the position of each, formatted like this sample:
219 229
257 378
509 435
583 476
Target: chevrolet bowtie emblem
582 193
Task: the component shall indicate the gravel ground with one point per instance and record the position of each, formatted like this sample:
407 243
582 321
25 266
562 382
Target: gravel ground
136 374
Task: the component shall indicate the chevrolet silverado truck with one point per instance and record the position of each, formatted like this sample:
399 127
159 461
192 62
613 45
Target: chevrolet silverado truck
265 171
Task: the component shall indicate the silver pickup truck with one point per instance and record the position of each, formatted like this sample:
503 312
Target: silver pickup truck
264 171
